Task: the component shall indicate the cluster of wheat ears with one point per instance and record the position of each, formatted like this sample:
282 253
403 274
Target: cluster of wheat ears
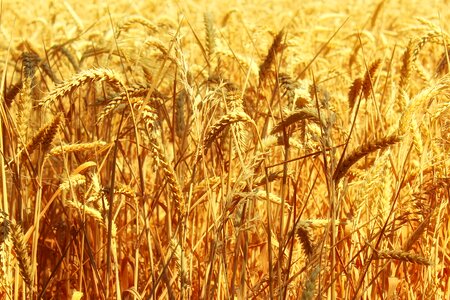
218 155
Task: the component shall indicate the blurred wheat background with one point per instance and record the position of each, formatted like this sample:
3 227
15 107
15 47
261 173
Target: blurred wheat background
224 150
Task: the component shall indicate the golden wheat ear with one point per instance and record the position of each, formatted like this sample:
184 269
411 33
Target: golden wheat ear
215 130
22 253
402 256
303 231
43 138
307 113
169 174
84 77
367 84
360 152
277 46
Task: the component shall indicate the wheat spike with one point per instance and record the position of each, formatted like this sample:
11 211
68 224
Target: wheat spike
136 95
367 83
417 233
354 92
170 176
215 130
131 20
421 100
405 72
362 151
235 103
72 182
310 284
210 34
276 47
43 137
25 101
125 190
97 146
303 231
22 253
403 256
307 113
93 213
87 76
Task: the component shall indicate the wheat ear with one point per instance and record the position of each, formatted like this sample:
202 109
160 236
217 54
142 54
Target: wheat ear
170 176
405 71
215 130
131 20
362 151
87 76
210 35
43 137
24 103
304 233
354 92
135 94
403 256
310 284
307 113
422 99
367 84
276 47
22 253
96 146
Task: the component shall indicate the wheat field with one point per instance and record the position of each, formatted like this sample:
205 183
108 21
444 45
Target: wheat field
224 150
